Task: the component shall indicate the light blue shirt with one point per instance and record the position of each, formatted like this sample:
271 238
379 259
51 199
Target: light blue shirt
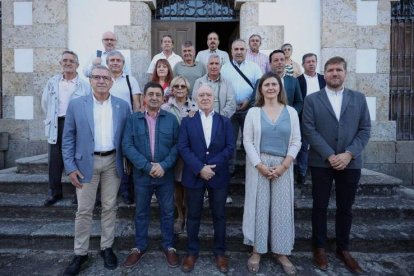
242 89
275 136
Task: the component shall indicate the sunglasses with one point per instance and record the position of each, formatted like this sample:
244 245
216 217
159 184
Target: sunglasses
179 86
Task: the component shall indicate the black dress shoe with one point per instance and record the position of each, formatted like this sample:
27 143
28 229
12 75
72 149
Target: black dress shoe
127 200
98 203
110 259
75 200
75 266
52 200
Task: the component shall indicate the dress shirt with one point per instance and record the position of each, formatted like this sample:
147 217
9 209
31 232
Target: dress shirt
260 59
203 56
173 59
103 125
120 88
152 124
335 98
207 122
66 89
312 84
242 89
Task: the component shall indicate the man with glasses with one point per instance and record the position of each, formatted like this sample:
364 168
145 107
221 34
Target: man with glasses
59 90
92 155
254 55
109 42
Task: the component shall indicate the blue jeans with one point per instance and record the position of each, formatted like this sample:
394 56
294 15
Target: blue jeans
302 158
165 196
217 200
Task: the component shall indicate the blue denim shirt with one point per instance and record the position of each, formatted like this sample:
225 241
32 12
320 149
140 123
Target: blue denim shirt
136 147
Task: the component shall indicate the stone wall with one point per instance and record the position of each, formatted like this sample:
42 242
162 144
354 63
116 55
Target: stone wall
34 35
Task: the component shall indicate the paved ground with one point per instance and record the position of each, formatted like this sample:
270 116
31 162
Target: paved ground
30 262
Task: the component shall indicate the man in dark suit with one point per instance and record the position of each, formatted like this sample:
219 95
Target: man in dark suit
206 144
92 155
290 84
309 82
337 125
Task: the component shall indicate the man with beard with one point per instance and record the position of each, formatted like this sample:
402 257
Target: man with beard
337 125
212 43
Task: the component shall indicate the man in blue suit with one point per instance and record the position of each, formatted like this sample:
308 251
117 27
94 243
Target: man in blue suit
206 144
150 143
92 156
337 125
290 84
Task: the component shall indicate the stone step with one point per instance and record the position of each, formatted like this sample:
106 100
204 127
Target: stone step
388 235
371 183
48 262
366 208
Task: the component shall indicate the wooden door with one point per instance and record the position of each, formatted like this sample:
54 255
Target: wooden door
180 32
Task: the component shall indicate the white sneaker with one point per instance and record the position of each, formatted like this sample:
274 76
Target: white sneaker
229 200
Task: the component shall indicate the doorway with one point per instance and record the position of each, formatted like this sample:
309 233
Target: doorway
196 32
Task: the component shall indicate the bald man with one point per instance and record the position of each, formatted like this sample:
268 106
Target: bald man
109 42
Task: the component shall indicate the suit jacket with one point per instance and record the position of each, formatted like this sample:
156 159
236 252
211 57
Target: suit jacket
78 142
136 147
293 93
303 86
195 154
327 136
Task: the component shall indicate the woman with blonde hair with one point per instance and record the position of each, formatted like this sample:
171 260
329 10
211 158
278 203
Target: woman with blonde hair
181 106
271 140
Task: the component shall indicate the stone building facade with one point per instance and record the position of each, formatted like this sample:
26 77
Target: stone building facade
358 30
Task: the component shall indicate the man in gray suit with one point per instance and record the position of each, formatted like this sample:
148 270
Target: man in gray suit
92 156
337 125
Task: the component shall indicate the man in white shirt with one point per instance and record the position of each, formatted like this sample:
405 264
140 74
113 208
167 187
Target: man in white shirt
337 125
309 82
206 168
212 43
59 90
244 89
92 156
109 42
167 46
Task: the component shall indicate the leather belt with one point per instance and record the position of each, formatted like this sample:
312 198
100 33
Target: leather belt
104 153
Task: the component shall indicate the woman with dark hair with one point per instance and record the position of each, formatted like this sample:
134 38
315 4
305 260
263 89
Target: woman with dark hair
271 139
181 106
163 75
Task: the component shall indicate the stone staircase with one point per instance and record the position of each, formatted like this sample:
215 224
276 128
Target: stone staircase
383 219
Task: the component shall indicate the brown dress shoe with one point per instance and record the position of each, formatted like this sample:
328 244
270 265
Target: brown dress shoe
171 257
222 263
320 259
350 263
188 263
133 258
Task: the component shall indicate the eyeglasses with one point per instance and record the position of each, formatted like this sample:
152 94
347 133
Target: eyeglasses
254 40
97 77
180 86
108 39
287 49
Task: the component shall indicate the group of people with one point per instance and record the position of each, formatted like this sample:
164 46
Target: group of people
180 134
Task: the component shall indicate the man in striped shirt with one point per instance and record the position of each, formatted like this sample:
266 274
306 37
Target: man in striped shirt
254 55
